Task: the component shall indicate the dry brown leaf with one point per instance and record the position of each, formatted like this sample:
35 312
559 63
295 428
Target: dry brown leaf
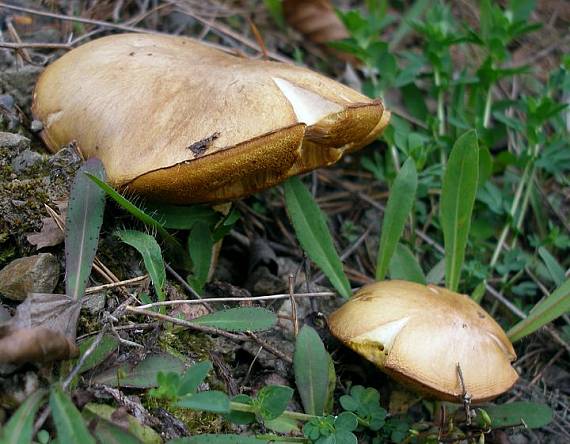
38 344
317 20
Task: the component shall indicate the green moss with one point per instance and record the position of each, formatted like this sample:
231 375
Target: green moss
185 343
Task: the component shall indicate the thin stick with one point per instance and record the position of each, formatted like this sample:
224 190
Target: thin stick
293 305
35 45
125 283
246 299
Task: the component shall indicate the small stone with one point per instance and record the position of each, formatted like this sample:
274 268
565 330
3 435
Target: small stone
26 159
94 303
32 274
36 126
15 142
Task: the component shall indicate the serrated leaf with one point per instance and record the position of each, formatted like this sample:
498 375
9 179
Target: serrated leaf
545 311
83 223
313 234
239 319
405 266
68 421
20 428
210 401
141 375
400 203
311 365
457 199
193 377
147 246
200 246
529 414
107 345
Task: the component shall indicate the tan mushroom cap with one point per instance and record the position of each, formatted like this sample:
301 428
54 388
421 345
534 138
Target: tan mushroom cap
419 334
176 120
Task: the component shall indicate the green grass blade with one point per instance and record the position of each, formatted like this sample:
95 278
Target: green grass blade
457 199
311 364
82 226
400 203
554 268
67 419
405 266
545 311
19 429
172 245
148 247
313 234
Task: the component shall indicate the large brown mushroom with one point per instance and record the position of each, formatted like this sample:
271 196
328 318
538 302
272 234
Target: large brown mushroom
178 121
420 334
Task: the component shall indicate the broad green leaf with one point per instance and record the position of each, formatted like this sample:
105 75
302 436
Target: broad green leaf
107 345
68 421
554 268
131 430
400 203
200 246
20 428
404 265
210 401
457 198
82 226
313 234
239 319
219 439
283 424
237 416
193 377
172 245
521 413
311 365
542 313
141 375
147 246
272 400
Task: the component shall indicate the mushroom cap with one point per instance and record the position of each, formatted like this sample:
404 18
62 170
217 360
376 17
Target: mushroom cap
179 121
419 335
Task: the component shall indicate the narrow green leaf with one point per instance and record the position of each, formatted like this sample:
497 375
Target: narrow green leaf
457 199
400 203
67 419
272 400
20 428
193 377
200 246
173 246
108 345
413 13
180 217
545 311
554 268
239 319
147 246
219 439
405 266
437 273
143 374
313 234
210 401
311 365
522 413
82 226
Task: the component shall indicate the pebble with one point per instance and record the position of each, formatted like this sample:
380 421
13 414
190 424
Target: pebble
26 159
13 141
32 274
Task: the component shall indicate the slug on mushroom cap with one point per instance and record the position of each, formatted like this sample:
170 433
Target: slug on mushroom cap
420 334
178 121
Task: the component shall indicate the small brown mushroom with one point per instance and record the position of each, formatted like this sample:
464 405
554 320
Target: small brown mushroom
178 121
420 334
